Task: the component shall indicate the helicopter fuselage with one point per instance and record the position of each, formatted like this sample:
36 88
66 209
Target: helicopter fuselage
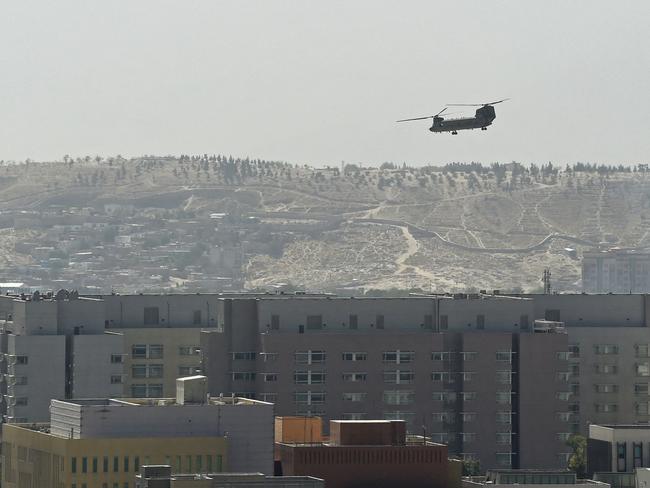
484 116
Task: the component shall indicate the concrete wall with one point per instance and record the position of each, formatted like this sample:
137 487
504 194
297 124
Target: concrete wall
499 313
594 310
45 373
92 366
35 318
399 313
173 310
86 314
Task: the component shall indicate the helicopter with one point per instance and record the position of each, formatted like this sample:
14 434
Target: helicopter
483 117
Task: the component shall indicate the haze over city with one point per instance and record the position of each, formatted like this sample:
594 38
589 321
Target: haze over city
313 82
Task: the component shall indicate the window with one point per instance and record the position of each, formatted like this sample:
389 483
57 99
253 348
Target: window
468 356
563 436
563 376
269 356
563 355
139 351
136 464
269 397
444 396
400 377
309 377
116 379
468 395
116 464
575 388
467 436
605 349
20 380
504 437
155 371
574 369
468 416
21 401
242 376
398 357
637 454
151 316
116 359
563 395
523 322
380 321
188 350
354 356
444 322
642 369
354 416
275 322
574 351
504 397
243 356
73 465
22 360
105 464
155 351
606 407
354 397
467 375
641 350
504 377
442 376
621 455
399 397
480 322
155 390
309 397
641 388
440 356
606 388
196 317
354 322
354 377
310 357
269 377
505 356
126 464
641 408
504 417
504 459
188 370
139 371
443 417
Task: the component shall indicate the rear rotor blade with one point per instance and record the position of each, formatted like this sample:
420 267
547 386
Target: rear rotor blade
440 112
465 104
416 118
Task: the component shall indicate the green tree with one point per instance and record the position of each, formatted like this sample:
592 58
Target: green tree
578 459
471 467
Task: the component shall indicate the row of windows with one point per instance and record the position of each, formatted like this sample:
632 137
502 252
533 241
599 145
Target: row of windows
316 322
126 464
397 397
154 390
152 316
396 376
397 357
640 350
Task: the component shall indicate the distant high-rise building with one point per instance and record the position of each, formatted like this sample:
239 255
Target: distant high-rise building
616 271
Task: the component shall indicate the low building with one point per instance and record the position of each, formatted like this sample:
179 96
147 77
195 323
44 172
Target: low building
368 453
522 478
162 477
617 449
97 443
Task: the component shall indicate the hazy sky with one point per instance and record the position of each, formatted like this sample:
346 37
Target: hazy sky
324 81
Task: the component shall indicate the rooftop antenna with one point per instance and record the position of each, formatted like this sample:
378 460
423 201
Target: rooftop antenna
546 279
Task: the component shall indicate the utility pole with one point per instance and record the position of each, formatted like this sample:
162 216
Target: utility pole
546 279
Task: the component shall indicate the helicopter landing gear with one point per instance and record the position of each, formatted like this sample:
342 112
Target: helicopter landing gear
454 133
483 128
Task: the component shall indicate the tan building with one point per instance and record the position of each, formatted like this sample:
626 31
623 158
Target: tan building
33 457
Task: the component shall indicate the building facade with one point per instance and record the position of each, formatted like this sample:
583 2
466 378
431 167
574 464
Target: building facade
616 271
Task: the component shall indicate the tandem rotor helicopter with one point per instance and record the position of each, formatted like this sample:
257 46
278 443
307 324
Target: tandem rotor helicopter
482 118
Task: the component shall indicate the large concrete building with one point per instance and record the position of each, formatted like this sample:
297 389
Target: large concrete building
474 371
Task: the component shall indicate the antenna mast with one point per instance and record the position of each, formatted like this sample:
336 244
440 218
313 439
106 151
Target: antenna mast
546 279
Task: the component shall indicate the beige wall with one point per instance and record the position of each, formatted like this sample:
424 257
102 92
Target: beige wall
172 339
39 460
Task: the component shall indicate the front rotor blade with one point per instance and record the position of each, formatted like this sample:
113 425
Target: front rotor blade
440 112
416 118
494 103
465 104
